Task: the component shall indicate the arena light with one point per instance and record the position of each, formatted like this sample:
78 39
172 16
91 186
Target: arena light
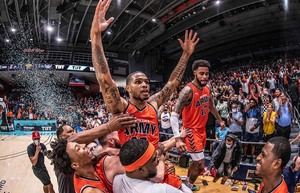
7 40
49 28
153 20
217 2
13 29
59 39
109 32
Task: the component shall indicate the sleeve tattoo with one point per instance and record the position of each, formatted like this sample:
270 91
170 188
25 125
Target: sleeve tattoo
184 99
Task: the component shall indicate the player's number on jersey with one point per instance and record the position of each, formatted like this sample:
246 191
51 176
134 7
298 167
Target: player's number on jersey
203 110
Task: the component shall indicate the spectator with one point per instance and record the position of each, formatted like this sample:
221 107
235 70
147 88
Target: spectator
253 121
222 107
235 121
220 135
284 117
269 118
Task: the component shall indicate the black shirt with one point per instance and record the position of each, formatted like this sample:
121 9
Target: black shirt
40 164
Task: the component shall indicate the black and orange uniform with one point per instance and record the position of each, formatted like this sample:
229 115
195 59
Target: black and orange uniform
146 126
101 172
194 118
172 179
280 188
81 183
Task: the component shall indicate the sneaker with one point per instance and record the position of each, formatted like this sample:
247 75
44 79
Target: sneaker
244 158
195 188
251 160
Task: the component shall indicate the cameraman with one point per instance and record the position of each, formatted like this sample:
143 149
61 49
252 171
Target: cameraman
291 174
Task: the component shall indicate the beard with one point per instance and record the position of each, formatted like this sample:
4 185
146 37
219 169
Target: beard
152 174
200 83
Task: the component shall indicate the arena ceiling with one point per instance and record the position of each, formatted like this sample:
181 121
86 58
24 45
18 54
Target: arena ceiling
227 28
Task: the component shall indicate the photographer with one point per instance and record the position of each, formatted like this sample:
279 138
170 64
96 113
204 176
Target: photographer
225 159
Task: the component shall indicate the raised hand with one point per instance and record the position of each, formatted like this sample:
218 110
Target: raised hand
100 24
190 41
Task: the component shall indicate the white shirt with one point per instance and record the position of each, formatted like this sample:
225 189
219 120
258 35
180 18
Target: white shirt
165 120
124 184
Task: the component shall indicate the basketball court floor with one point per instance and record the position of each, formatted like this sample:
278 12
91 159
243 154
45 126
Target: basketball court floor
16 175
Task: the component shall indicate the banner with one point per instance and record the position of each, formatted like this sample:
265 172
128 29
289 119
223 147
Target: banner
39 125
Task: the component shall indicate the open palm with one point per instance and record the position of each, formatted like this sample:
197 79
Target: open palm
100 24
190 41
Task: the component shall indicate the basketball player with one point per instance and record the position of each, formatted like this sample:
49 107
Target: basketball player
140 165
71 155
141 105
36 152
270 163
194 103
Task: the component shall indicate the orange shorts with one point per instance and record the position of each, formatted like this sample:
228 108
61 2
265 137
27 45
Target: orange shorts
195 140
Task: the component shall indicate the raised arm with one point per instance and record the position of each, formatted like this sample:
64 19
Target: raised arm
108 86
188 46
184 99
117 122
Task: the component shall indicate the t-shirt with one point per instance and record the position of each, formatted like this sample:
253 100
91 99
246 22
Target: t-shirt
40 164
269 128
124 184
222 133
165 120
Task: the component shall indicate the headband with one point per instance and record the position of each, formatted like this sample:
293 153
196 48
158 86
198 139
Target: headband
142 160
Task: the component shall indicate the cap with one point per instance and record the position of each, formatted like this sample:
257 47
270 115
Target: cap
230 135
36 135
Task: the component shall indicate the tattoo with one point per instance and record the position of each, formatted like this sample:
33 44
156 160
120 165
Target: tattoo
165 94
99 60
112 94
185 97
178 72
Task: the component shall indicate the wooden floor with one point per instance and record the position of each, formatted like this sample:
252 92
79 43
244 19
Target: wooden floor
16 175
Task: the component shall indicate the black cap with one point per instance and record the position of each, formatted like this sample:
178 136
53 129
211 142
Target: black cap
230 135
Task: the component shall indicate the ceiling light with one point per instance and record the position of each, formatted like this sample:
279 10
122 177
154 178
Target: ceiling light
13 29
109 32
7 40
217 2
59 39
49 28
31 39
153 20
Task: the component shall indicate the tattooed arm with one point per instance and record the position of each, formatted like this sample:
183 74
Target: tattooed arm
185 97
188 46
109 88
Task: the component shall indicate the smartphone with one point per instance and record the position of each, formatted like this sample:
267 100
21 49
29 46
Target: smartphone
230 114
204 182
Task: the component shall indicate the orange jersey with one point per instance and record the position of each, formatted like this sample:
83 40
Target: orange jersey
101 172
195 115
145 127
281 188
81 183
172 179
